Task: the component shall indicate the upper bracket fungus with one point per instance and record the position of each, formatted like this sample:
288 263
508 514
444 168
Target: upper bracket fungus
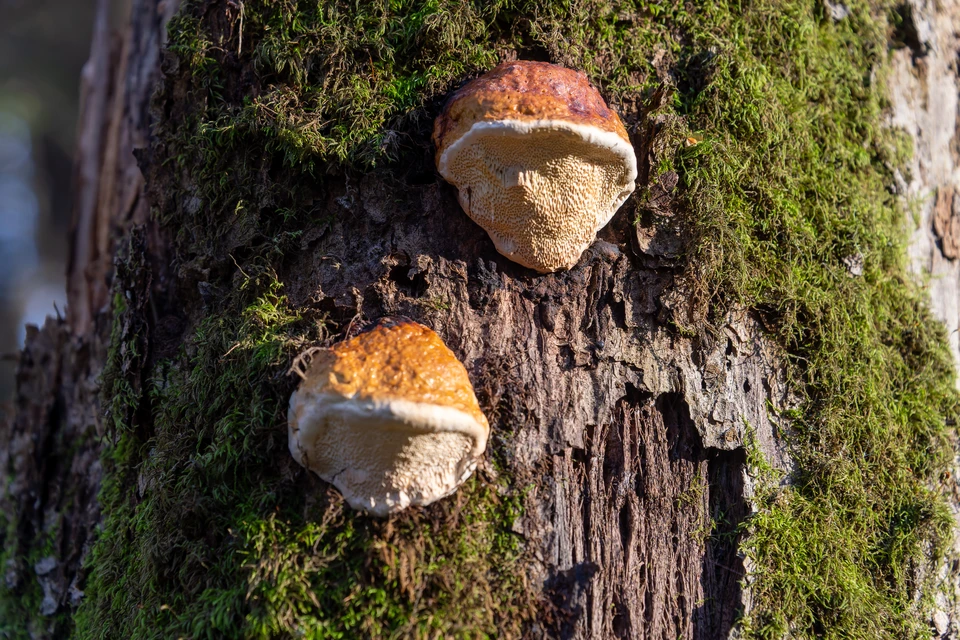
538 159
389 417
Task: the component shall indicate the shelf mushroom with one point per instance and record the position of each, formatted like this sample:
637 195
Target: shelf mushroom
389 417
538 159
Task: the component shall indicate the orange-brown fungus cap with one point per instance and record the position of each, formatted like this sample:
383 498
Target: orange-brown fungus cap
389 417
538 159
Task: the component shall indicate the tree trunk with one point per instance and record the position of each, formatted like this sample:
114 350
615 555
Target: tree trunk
610 501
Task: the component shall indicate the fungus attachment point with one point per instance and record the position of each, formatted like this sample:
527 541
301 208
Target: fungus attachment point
538 159
389 417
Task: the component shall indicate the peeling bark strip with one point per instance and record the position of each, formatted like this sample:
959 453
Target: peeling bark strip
117 84
85 282
946 221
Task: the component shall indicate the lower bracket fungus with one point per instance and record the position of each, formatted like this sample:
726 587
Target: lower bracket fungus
389 417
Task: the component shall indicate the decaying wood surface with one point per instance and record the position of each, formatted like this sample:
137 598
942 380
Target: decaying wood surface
631 435
630 432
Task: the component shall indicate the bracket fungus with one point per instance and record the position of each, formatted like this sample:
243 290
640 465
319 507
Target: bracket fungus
389 417
538 159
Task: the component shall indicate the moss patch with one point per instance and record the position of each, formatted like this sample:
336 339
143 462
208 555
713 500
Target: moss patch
788 178
20 599
792 179
213 532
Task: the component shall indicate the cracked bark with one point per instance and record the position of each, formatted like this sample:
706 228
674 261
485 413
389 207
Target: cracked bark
630 433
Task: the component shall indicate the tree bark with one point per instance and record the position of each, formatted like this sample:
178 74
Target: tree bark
631 435
923 91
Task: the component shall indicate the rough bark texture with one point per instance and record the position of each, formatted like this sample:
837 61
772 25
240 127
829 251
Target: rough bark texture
632 433
924 97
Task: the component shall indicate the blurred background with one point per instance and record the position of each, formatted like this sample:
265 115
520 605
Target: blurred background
43 46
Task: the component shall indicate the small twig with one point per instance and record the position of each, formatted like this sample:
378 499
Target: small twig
302 362
337 261
240 44
239 267
229 351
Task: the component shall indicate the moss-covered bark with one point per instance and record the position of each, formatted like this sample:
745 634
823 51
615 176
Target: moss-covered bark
290 172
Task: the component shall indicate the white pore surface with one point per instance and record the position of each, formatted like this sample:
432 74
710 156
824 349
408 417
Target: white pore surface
384 455
541 189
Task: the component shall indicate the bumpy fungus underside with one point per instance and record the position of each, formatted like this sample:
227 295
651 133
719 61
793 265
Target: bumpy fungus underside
389 417
541 190
538 159
384 456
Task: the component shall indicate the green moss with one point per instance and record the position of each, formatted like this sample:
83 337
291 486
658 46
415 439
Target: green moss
117 394
20 599
790 180
18 603
207 532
